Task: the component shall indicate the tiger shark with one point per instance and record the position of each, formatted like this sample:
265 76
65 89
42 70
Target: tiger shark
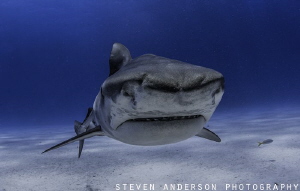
151 100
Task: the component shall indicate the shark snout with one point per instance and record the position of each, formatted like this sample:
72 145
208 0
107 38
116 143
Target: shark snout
181 78
182 86
151 86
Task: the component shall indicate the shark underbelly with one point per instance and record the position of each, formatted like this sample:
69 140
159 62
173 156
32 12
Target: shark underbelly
151 133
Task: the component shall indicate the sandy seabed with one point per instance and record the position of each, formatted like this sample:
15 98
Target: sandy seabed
106 164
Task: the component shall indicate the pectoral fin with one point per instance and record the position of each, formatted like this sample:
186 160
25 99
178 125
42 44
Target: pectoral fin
88 134
208 134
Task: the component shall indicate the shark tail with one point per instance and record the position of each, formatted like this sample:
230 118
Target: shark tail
88 134
260 143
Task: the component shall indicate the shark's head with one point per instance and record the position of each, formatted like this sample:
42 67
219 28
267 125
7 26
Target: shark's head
153 100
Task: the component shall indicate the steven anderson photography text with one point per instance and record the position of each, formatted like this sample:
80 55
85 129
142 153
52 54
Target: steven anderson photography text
185 187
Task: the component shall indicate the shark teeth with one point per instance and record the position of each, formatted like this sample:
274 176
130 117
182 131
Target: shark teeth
166 118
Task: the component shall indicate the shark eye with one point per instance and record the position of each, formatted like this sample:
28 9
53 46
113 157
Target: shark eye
215 92
126 94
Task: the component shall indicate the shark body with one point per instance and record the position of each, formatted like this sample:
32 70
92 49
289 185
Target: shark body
151 100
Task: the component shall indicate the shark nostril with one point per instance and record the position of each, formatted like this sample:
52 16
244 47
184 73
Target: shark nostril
127 91
129 94
130 88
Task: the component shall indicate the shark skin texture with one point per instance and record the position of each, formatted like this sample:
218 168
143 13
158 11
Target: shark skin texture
151 100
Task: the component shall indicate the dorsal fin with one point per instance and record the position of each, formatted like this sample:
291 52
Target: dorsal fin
90 109
119 57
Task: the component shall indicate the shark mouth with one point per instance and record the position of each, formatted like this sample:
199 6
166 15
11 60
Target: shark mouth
159 130
167 118
156 120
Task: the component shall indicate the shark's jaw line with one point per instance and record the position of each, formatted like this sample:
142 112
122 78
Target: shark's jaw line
161 119
166 118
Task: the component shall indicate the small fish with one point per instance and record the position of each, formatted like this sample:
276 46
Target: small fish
265 142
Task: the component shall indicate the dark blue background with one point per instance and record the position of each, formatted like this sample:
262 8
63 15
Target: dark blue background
54 53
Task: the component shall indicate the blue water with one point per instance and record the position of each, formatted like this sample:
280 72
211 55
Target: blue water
54 57
54 53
